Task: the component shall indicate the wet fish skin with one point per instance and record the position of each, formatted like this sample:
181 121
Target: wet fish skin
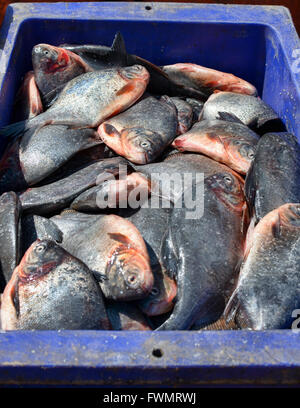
113 249
96 198
34 227
273 179
143 131
10 213
252 111
206 252
126 316
54 67
52 290
59 194
184 115
28 102
197 107
230 143
267 291
80 160
207 80
44 150
87 100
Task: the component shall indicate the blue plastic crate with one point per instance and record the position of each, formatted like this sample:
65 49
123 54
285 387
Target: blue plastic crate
256 43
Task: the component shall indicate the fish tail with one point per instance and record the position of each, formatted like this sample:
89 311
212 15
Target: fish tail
11 132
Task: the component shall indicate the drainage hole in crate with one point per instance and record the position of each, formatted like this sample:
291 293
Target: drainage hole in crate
148 8
157 353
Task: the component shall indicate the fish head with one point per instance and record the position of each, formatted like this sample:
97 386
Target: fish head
129 274
228 188
141 145
242 153
49 59
41 258
161 298
137 72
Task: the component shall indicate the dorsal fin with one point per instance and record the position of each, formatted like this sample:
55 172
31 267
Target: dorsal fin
118 44
230 117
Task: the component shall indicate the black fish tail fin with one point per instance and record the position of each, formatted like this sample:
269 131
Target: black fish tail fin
11 132
118 44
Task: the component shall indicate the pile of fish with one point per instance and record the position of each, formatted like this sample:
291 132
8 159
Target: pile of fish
104 156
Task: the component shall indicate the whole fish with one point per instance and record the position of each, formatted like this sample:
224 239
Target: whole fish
87 100
113 193
252 111
113 249
52 290
184 115
204 252
10 211
230 143
267 292
53 68
273 179
34 227
152 224
143 131
40 152
60 193
126 316
101 57
28 102
207 80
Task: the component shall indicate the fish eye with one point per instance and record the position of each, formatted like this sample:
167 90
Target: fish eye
46 52
145 144
251 155
40 248
227 179
154 291
132 279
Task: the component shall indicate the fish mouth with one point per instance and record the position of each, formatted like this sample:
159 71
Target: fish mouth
138 157
179 144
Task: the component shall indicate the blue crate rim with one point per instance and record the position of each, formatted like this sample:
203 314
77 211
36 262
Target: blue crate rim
18 13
